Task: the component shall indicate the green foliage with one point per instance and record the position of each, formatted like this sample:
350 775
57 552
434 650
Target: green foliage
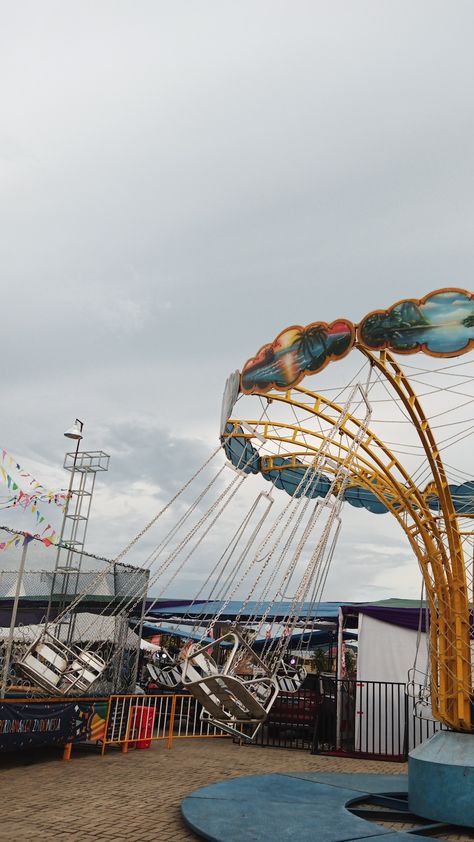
319 661
351 664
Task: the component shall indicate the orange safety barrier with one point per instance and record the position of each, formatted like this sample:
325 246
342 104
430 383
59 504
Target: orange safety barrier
135 721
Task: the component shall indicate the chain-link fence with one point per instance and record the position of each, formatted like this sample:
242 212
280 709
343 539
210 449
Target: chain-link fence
106 601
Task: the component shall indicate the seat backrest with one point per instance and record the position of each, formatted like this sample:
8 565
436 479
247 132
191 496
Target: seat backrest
190 673
51 656
94 661
153 672
38 670
89 662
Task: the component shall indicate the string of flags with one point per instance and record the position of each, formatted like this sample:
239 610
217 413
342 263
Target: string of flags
38 490
28 500
25 538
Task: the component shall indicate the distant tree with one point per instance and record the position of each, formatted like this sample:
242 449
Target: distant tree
351 663
319 661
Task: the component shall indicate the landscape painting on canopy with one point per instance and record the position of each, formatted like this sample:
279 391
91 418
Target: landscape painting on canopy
297 351
441 325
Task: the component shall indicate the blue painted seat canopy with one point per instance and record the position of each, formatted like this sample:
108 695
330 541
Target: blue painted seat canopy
290 477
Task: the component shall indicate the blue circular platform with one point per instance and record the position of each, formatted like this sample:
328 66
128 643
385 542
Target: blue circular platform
297 807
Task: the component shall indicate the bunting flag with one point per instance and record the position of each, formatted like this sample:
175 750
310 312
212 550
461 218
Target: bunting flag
38 492
25 501
22 538
28 500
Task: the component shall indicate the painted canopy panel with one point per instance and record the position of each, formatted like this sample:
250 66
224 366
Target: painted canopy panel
290 477
295 352
441 324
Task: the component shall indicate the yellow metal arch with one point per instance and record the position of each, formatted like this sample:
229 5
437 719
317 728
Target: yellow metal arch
437 543
458 647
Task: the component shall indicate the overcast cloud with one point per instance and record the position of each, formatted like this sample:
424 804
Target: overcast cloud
180 181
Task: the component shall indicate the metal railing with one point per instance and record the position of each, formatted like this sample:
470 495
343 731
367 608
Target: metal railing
291 721
376 720
137 720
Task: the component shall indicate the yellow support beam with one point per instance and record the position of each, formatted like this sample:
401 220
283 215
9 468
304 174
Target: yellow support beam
436 542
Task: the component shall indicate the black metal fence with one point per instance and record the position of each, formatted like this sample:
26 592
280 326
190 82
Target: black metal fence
291 721
347 717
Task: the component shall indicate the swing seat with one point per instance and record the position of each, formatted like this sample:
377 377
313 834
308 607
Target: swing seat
54 666
84 670
227 699
166 676
44 663
289 681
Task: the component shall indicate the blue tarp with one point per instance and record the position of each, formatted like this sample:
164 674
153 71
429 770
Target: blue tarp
314 637
150 629
325 610
400 612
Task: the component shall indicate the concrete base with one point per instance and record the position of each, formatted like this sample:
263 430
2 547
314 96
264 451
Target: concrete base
441 779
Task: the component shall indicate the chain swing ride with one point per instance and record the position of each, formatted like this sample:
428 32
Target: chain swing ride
323 453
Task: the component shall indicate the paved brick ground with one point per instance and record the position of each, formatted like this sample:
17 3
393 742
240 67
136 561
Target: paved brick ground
134 796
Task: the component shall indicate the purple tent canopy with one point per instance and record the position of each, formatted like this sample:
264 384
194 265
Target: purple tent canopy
407 618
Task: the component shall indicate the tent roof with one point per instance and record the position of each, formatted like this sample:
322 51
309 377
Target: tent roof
315 637
88 628
398 612
278 610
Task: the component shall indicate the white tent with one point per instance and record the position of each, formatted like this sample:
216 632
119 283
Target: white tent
384 712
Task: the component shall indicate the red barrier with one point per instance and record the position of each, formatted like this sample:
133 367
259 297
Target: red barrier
142 726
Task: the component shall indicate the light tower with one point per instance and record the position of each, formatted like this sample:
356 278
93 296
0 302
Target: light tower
83 467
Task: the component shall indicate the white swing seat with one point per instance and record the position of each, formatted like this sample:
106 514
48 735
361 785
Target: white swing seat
227 699
290 682
84 670
166 676
44 663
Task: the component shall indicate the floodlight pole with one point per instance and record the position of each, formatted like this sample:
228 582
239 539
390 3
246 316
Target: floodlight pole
83 466
78 437
75 433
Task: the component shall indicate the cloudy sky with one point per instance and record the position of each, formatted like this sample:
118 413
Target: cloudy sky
180 181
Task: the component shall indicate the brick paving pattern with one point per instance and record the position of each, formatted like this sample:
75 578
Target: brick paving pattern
136 796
